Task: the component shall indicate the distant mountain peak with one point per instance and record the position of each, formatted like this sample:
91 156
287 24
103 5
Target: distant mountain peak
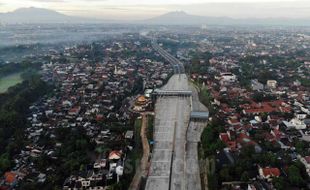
183 18
34 15
33 10
39 15
177 13
175 17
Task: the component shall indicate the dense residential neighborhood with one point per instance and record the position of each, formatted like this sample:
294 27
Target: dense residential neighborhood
82 116
91 110
261 108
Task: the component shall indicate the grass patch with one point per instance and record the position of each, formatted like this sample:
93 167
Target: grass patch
137 152
205 96
9 81
150 128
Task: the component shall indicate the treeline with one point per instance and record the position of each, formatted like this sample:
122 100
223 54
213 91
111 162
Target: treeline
14 106
11 53
263 68
25 65
196 66
73 157
210 142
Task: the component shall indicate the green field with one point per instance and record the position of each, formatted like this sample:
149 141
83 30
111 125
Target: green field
10 80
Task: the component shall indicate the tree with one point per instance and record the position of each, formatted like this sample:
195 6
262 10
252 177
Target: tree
279 183
245 176
301 146
247 151
5 163
294 176
225 174
212 182
116 186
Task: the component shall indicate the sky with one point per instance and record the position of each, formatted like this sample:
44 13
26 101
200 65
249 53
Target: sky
143 9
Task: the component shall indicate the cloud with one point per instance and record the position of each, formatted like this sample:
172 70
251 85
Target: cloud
43 1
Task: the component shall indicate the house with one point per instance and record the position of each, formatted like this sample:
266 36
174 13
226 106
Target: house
74 111
233 121
228 77
35 153
268 173
41 178
266 107
257 86
91 182
272 84
129 135
287 125
244 140
277 134
306 162
148 92
298 124
226 138
10 178
307 64
115 155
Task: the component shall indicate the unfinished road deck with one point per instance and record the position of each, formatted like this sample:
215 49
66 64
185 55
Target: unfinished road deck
194 131
179 121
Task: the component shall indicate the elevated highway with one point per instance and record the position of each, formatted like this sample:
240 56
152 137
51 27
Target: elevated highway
179 121
172 114
176 64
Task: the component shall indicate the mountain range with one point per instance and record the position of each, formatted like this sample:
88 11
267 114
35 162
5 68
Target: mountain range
182 18
39 15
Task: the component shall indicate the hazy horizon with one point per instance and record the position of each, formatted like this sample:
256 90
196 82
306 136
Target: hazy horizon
144 9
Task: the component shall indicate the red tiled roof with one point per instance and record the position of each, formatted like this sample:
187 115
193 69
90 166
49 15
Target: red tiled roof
115 154
99 117
234 121
307 158
232 145
245 139
247 127
277 133
10 177
75 110
269 136
238 127
275 172
266 107
224 137
4 187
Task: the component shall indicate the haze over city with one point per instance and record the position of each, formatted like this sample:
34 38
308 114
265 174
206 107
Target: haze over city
144 9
